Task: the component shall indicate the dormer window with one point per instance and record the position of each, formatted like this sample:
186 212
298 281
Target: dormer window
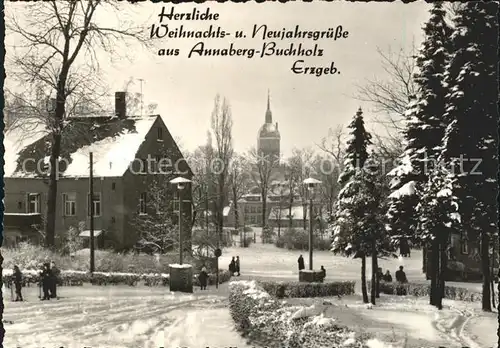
159 136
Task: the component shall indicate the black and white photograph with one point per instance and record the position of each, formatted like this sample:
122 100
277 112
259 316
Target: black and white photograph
250 175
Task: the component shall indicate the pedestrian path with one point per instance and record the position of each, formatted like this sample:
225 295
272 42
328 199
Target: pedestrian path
201 328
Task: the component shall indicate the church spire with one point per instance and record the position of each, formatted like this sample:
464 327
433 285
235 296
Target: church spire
269 115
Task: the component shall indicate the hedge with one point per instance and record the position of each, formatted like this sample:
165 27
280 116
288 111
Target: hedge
296 289
70 278
268 322
423 290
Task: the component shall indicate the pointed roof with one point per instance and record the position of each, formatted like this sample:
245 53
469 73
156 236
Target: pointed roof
269 114
114 143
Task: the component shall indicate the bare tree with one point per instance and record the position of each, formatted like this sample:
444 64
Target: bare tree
277 211
391 92
221 127
300 164
262 173
329 166
292 181
239 183
204 184
59 44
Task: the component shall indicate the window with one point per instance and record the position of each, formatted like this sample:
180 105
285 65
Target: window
69 204
33 203
160 134
464 245
142 204
96 201
113 186
176 202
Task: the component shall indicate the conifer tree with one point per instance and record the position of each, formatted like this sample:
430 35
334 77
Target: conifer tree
439 219
472 140
359 227
424 130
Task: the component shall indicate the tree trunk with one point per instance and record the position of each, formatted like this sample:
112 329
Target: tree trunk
50 222
264 208
363 279
375 282
236 213
434 264
485 263
493 274
442 272
304 213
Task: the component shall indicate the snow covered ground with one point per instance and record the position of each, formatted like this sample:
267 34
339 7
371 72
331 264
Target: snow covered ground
411 322
267 261
120 316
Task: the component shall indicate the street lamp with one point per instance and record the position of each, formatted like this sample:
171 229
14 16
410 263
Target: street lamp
181 184
310 184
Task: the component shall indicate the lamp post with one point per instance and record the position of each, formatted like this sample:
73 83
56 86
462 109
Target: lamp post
181 184
311 183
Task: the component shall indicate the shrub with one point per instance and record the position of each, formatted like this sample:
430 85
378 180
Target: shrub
268 322
423 290
69 278
30 257
296 289
298 239
268 234
247 242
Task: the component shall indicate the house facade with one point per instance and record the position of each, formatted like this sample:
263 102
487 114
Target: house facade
132 157
464 260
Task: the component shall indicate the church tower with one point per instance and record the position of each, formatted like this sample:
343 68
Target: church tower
268 139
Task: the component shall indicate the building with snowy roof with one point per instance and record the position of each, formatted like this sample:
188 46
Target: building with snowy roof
129 155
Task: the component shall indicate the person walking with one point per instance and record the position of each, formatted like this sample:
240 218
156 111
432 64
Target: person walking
232 266
203 278
237 264
18 283
300 261
46 277
55 279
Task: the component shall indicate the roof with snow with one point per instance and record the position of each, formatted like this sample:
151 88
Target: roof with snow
114 143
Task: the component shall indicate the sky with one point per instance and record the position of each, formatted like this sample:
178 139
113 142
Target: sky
305 106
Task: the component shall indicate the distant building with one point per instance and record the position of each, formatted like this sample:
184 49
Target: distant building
126 151
269 138
464 259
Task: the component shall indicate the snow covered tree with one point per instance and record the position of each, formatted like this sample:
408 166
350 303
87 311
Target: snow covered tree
439 218
356 221
154 224
424 131
472 139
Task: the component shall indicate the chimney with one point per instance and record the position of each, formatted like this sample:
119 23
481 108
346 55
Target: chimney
276 125
120 104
